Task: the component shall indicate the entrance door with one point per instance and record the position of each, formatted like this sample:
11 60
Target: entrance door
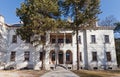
60 57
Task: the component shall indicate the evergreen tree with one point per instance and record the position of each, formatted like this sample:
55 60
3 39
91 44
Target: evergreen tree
39 16
85 16
117 28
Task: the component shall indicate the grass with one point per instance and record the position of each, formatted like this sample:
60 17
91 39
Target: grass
86 73
21 73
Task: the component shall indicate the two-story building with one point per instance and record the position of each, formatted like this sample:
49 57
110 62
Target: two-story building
96 49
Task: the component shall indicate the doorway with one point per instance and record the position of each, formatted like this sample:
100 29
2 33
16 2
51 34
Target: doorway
60 57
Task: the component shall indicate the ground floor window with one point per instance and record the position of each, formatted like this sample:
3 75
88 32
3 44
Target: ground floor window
41 56
53 56
94 56
12 57
26 55
68 57
61 58
108 55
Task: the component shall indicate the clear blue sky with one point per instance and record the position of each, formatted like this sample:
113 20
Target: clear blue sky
8 9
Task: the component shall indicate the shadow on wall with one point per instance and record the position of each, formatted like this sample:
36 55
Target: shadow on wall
101 48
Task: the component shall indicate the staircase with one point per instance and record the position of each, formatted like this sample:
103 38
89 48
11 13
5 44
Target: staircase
60 67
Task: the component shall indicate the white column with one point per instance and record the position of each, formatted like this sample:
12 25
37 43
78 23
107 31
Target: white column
64 38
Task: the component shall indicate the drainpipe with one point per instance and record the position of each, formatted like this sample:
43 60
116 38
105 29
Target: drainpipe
85 48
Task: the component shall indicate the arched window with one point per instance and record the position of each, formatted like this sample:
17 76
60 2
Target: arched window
68 57
52 55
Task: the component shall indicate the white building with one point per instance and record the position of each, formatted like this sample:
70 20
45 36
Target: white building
97 49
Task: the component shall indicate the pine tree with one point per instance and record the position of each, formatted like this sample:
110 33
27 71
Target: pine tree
86 13
39 16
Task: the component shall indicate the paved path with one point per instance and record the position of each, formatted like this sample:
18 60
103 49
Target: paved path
60 72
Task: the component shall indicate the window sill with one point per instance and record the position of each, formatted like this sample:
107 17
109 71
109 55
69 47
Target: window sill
109 61
93 43
94 61
14 42
107 43
12 61
26 61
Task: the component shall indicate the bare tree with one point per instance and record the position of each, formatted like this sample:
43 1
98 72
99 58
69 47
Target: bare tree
108 21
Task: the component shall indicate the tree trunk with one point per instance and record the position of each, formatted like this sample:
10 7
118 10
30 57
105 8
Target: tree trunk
78 58
43 59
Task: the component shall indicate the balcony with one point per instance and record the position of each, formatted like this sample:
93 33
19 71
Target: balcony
61 39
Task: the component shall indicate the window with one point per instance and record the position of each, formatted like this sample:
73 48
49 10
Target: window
28 40
68 38
106 37
60 40
108 55
80 56
79 39
14 39
41 56
52 38
94 56
68 57
12 58
26 55
53 56
93 39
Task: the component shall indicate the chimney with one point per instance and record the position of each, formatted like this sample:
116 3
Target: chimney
1 19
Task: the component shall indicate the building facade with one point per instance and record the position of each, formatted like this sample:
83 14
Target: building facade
96 49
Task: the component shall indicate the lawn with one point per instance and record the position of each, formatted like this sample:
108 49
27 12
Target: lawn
21 73
86 73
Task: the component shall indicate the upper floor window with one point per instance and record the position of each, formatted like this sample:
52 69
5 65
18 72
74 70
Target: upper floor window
79 39
108 55
41 56
14 39
68 38
28 40
106 37
93 39
60 40
94 56
52 38
12 57
80 56
26 55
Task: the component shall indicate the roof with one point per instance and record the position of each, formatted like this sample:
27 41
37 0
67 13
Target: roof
14 25
95 27
106 27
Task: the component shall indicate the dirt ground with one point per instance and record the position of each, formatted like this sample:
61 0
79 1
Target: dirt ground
88 73
21 73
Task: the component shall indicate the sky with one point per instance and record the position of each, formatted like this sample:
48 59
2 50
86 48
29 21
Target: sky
8 9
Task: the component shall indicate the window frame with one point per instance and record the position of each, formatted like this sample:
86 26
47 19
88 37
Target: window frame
108 56
41 56
79 39
94 56
80 56
14 39
13 56
93 39
69 58
27 56
106 38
